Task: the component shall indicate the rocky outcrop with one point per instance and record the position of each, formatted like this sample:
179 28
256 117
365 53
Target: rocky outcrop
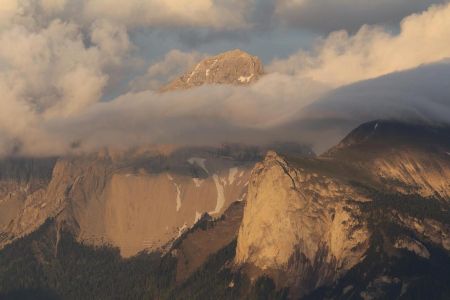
300 227
205 239
401 157
233 67
415 172
428 229
413 246
137 200
309 221
23 183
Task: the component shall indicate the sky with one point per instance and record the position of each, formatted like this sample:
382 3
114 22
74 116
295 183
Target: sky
78 75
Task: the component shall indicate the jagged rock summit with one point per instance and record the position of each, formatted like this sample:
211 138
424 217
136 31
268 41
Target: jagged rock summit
232 67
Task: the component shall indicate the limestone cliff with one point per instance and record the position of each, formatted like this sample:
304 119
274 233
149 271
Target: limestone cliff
23 183
300 227
308 222
141 199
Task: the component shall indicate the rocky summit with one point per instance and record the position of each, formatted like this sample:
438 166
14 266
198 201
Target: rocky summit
233 67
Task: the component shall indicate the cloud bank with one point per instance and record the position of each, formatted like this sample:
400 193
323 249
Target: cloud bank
343 59
56 68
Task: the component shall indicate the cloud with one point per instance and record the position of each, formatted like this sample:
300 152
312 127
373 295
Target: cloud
206 115
174 63
7 11
420 95
277 108
56 68
342 58
330 15
148 13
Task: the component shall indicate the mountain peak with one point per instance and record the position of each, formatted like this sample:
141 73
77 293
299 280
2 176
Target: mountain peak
387 133
232 67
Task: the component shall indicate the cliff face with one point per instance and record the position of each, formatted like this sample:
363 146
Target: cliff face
233 67
147 211
309 221
411 159
133 200
301 227
23 183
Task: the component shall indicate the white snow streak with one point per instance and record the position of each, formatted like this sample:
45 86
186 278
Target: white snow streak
178 196
232 175
220 195
245 79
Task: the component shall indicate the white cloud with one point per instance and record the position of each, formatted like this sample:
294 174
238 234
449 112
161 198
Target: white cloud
52 71
8 9
205 115
342 58
112 40
53 6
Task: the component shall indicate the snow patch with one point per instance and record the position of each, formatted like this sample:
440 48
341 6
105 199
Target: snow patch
170 177
242 197
198 161
193 72
198 216
245 79
178 196
197 182
220 195
232 175
223 181
182 229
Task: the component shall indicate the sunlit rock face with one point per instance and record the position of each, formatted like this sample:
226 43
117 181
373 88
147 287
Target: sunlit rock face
406 158
299 226
233 67
140 199
146 210
23 185
382 192
135 200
